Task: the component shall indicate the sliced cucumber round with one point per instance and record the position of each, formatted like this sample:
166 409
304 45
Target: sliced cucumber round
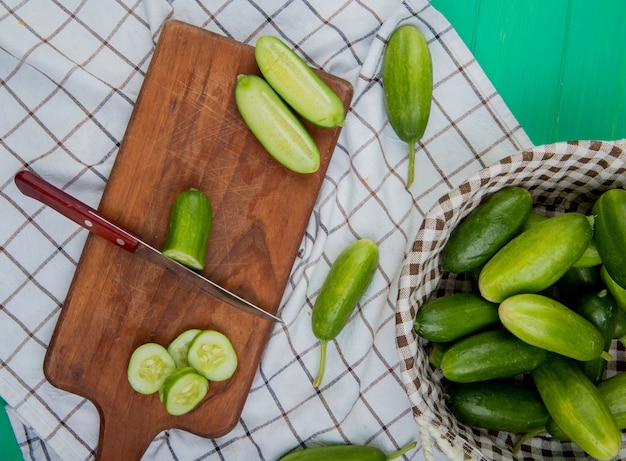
183 390
212 354
179 347
149 365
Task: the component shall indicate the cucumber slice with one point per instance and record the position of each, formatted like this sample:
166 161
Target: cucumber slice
189 229
149 365
179 347
183 390
212 354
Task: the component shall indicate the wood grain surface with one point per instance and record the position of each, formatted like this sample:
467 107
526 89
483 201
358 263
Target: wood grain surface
185 132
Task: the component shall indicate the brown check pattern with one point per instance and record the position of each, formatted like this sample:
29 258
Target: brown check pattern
69 75
561 177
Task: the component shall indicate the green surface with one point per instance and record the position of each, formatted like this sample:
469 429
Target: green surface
9 451
560 65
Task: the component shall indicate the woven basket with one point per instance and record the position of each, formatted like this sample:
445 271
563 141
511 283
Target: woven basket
561 177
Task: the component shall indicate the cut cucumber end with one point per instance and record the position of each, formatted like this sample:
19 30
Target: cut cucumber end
184 258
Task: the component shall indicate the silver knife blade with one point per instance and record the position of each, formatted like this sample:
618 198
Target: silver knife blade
36 187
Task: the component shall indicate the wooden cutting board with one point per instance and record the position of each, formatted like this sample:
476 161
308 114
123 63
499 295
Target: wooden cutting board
185 131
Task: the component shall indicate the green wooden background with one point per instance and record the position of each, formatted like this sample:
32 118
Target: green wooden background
560 65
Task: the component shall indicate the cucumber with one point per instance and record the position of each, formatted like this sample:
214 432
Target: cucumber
183 390
346 453
533 218
212 355
275 125
407 77
578 280
486 229
346 282
189 229
577 407
620 327
614 288
489 355
435 353
536 258
601 310
498 405
613 392
179 347
610 232
451 317
550 325
149 365
297 84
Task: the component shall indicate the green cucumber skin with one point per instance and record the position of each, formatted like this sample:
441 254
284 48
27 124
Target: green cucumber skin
614 288
578 280
546 323
189 229
498 405
486 229
613 392
489 355
610 232
349 277
297 83
577 407
601 310
407 76
454 316
275 125
337 452
620 327
536 258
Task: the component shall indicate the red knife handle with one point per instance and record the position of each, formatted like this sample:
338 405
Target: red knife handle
38 188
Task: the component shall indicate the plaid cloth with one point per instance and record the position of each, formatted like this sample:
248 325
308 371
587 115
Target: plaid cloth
69 75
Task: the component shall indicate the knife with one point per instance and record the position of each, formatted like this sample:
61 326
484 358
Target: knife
82 214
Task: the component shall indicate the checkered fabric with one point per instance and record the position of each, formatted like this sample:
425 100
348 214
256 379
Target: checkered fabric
70 72
561 177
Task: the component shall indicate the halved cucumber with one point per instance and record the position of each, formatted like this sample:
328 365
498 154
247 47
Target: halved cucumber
149 365
275 125
297 83
179 347
212 354
183 390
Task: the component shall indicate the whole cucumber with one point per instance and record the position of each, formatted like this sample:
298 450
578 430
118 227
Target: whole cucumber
448 318
345 453
489 355
613 392
407 77
499 405
297 83
189 229
577 407
601 310
610 232
618 292
349 277
536 258
486 229
275 125
546 323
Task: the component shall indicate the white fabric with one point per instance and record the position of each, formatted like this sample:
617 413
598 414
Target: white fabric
69 75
